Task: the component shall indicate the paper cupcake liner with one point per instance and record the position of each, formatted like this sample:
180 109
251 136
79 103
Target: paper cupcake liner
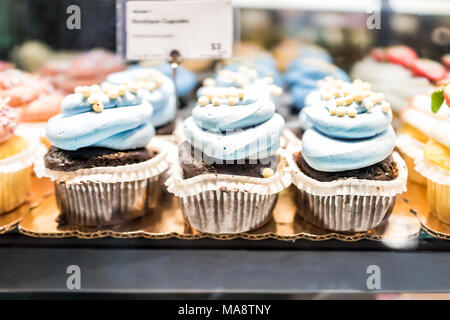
14 188
109 195
228 203
350 204
103 204
411 150
15 176
133 172
433 172
439 200
361 187
222 212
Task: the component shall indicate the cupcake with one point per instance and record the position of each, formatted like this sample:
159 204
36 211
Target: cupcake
17 154
229 171
105 164
407 74
159 92
303 76
435 163
418 122
289 50
346 173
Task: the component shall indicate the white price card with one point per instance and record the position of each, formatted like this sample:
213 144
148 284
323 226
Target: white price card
197 29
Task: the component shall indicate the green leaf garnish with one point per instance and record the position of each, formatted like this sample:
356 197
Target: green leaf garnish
437 98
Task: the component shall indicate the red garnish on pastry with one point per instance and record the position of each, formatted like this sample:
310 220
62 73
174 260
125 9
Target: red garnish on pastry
446 92
429 69
446 60
379 54
401 55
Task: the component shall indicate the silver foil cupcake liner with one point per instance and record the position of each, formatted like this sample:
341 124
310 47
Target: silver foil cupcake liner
103 196
221 203
103 204
347 205
223 212
344 213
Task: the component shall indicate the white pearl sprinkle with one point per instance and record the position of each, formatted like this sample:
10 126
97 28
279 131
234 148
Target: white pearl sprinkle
385 107
351 112
209 82
203 101
340 112
216 101
232 101
98 107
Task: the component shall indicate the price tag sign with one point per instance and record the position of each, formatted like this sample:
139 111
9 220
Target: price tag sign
198 29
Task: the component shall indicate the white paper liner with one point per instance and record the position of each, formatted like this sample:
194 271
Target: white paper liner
361 187
214 182
289 141
139 171
432 172
410 146
24 159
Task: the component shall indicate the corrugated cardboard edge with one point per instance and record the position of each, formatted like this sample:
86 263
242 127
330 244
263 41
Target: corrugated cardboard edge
432 232
9 227
246 236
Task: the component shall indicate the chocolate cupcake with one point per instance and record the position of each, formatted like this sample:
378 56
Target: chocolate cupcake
229 172
105 164
346 173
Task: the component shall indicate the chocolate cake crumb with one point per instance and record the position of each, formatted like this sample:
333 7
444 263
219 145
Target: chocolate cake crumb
385 170
194 163
91 157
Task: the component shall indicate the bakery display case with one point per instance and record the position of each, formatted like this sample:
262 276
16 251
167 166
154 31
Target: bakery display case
307 137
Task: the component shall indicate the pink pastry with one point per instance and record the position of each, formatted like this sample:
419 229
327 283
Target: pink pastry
36 97
8 120
5 65
84 69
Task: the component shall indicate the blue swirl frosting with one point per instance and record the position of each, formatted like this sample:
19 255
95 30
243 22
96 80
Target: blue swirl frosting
123 124
328 154
349 128
252 113
162 99
249 129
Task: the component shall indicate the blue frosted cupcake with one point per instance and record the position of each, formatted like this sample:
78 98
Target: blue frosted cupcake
229 171
254 83
346 172
304 74
157 89
104 160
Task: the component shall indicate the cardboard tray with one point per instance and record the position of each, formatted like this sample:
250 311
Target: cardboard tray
168 222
